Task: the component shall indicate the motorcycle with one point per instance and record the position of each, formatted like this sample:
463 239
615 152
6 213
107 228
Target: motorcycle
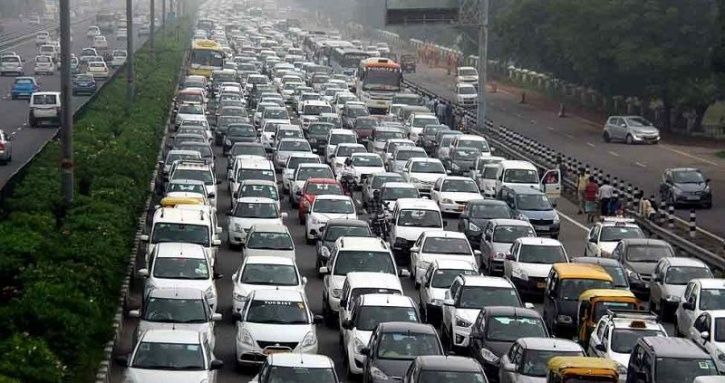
379 226
347 182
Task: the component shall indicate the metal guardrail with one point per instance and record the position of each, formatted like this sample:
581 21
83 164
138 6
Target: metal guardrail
517 146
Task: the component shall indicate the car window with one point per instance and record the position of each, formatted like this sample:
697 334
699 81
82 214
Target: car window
44 99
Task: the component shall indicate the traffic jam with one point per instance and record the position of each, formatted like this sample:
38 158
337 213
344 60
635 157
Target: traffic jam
341 231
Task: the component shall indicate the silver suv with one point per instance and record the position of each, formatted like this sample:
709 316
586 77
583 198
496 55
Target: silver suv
630 129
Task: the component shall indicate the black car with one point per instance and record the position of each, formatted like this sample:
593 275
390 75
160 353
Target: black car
316 133
222 123
335 229
394 345
460 161
476 215
443 369
497 328
668 360
238 133
640 256
685 186
428 136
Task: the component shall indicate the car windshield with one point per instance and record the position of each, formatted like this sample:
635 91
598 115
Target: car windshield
424 120
295 161
27 81
203 149
536 361
459 186
255 210
269 241
319 129
316 110
348 150
393 193
676 370
266 191
255 174
434 167
304 173
241 131
372 261
191 109
275 114
171 310
277 312
649 254
357 112
443 278
435 376
407 345
176 156
542 254
687 177
44 99
510 328
378 180
333 206
465 154
478 145
602 307
617 274
294 146
406 100
508 234
10 59
712 299
571 289
228 120
168 356
467 90
186 188
372 160
302 374
490 211
384 135
618 233
269 274
680 275
537 202
368 317
624 339
323 189
346 138
203 175
420 218
181 268
366 123
190 98
489 172
521 176
638 122
250 150
332 233
467 72
180 232
443 245
43 59
476 297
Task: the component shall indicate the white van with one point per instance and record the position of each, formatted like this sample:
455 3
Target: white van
182 225
411 217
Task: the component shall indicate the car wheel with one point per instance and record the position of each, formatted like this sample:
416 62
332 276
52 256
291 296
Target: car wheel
607 138
629 139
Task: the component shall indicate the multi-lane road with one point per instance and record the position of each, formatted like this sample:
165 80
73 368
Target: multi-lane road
28 141
582 139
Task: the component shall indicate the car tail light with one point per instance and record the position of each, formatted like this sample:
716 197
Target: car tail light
2 146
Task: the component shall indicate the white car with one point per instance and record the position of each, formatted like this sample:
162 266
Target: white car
250 211
289 367
367 311
176 308
615 336
604 236
466 95
264 272
274 321
188 110
358 283
93 31
100 43
423 173
44 65
466 297
365 165
176 264
529 261
294 160
453 193
436 281
11 63
98 70
467 74
669 280
119 58
417 121
336 137
412 217
702 294
269 239
288 146
179 355
707 331
438 245
402 154
341 153
324 208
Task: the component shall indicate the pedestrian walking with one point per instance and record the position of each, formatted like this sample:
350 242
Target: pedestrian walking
449 115
605 197
441 111
435 106
581 184
591 192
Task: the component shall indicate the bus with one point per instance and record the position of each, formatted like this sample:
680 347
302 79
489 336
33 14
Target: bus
346 60
378 79
206 57
106 21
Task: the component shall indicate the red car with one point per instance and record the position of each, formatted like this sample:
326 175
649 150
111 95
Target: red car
311 189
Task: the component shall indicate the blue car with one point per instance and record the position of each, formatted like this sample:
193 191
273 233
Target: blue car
23 87
83 84
533 206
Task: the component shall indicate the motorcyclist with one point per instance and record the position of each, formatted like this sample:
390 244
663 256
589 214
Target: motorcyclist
347 175
376 209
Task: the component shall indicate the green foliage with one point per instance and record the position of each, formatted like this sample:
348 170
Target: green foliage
721 154
61 269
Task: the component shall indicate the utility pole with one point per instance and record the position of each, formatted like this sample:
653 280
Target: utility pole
66 110
163 13
482 63
129 56
152 30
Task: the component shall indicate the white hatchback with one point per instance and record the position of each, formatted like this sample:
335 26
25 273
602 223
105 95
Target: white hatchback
264 272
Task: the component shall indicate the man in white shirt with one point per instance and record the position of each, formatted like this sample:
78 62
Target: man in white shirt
606 192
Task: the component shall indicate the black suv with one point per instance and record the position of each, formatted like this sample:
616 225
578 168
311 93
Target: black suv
668 360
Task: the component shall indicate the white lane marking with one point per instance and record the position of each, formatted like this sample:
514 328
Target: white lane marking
550 128
519 115
680 152
614 153
570 136
641 165
592 145
572 220
533 121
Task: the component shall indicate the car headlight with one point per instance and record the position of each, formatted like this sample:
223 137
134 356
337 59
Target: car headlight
447 200
672 298
519 274
357 345
563 319
378 374
621 369
489 356
436 302
462 322
473 227
227 142
556 218
245 337
336 293
309 340
238 227
241 298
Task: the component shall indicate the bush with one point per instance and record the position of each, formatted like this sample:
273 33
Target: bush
61 269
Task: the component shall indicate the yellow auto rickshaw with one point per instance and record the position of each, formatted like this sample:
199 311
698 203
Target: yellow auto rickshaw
581 369
594 303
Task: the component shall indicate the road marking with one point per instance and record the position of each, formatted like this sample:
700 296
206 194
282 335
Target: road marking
680 152
572 220
533 121
570 136
641 165
592 145
614 153
550 128
519 115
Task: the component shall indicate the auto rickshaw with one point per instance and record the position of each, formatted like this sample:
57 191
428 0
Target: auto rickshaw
407 63
594 303
580 369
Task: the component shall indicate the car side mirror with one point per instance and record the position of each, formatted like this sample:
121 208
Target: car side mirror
144 238
529 305
688 306
600 347
218 276
216 317
323 270
449 302
705 335
317 319
509 367
144 273
404 273
134 313
121 360
347 324
487 237
216 242
216 364
343 302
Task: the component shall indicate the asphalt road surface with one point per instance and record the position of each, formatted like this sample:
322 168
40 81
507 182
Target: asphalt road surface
582 139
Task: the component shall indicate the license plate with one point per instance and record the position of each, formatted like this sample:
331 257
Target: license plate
693 198
540 285
275 351
541 228
459 208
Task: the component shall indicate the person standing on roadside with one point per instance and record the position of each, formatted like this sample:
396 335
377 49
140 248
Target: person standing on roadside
581 184
605 198
441 111
591 192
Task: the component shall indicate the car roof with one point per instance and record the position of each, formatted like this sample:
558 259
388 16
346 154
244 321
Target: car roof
539 241
509 222
645 241
511 311
674 347
389 300
602 261
683 261
171 336
361 243
259 182
581 270
342 131
364 154
176 293
179 250
443 234
270 228
405 185
416 203
299 360
173 214
406 326
485 281
333 197
256 200
320 180
346 222
277 295
453 264
541 343
710 283
268 260
372 279
448 363
456 178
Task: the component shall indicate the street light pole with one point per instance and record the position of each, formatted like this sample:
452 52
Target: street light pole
163 13
130 33
66 110
153 26
482 63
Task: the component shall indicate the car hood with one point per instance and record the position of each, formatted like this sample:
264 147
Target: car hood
620 358
245 288
608 246
498 348
645 130
530 379
328 216
427 177
269 252
369 169
144 325
140 375
430 257
277 332
201 284
522 188
676 290
536 270
642 268
480 222
436 293
539 214
411 233
468 314
460 196
392 367
691 187
363 336
246 223
501 247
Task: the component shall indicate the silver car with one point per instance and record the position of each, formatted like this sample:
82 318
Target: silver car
630 129
527 359
6 147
